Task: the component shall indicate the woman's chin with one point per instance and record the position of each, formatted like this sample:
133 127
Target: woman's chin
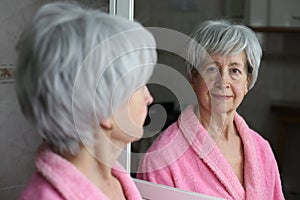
135 134
139 134
220 108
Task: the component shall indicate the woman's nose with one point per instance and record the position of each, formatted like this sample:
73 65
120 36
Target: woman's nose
223 80
148 97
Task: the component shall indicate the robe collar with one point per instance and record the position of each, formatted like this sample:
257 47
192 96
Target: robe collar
71 183
207 150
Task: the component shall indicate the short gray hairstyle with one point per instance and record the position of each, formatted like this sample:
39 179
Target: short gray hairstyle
226 38
75 58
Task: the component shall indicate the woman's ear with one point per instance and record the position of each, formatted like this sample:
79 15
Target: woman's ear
193 80
106 124
246 90
247 86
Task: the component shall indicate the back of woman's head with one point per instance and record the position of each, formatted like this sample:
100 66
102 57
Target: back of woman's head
225 38
75 66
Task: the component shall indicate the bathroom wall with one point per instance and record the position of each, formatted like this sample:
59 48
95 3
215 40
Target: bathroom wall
18 141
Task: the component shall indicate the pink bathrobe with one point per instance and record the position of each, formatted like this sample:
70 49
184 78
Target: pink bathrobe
186 157
58 179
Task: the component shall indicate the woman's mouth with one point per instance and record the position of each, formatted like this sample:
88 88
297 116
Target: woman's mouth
221 97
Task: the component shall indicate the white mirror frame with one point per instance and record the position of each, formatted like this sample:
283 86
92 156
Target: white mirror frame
124 8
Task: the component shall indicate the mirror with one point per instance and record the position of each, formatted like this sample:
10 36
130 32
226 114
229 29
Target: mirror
180 17
169 86
183 16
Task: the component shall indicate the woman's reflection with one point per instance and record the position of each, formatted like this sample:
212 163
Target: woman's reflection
211 149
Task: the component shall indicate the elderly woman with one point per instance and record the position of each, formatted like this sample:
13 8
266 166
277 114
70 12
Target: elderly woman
211 149
81 82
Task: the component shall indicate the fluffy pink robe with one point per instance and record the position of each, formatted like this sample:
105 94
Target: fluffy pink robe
58 179
186 157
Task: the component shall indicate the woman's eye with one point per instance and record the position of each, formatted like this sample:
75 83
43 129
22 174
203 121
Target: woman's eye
236 71
212 69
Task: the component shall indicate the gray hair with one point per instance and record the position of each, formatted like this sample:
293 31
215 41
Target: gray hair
226 38
75 59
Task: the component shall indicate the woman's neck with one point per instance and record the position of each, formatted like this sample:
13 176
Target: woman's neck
88 164
218 125
96 162
98 172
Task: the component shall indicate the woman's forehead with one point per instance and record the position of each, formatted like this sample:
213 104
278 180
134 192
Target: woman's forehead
219 59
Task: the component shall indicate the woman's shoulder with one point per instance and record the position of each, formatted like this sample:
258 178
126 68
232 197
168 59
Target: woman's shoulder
245 130
38 188
165 137
243 127
173 132
262 145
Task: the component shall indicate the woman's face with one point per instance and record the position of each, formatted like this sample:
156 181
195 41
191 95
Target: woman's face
130 117
222 83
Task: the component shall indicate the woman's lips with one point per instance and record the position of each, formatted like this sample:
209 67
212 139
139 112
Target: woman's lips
221 97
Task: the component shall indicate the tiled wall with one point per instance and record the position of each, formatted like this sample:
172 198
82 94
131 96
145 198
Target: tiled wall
18 141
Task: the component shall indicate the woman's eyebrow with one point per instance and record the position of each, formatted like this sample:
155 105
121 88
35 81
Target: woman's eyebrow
212 62
236 64
219 64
